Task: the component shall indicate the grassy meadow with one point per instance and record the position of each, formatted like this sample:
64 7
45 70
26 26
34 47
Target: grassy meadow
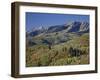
72 51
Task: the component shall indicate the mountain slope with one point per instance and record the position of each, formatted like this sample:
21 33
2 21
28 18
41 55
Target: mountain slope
57 34
70 27
58 45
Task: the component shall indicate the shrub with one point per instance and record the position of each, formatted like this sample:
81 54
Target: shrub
59 62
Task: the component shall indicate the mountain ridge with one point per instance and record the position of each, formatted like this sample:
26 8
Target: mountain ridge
72 27
57 34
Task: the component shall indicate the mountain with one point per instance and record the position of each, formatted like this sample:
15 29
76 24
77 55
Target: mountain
57 34
58 45
37 31
70 27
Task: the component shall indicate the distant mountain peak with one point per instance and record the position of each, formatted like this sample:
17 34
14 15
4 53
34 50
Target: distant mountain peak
73 26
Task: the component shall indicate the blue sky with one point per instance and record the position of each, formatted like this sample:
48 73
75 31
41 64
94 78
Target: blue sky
34 20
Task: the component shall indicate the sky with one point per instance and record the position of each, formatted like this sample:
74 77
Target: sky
36 20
